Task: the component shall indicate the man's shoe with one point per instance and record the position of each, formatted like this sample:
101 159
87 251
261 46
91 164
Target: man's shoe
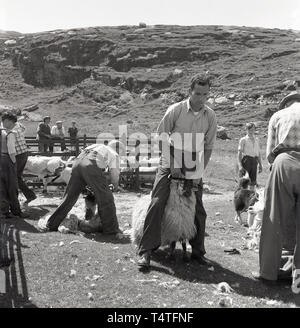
257 276
200 259
144 260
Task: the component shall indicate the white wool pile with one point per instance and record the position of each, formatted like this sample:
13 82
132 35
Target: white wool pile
77 214
178 220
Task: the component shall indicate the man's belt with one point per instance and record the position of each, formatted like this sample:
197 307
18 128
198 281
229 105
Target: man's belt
278 151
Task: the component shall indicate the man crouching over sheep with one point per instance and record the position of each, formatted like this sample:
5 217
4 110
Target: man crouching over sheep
88 170
187 134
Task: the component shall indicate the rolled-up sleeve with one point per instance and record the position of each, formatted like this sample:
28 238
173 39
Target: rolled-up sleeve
211 134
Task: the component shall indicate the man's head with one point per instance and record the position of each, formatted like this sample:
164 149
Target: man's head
47 119
199 89
73 124
118 147
59 124
250 128
9 120
289 100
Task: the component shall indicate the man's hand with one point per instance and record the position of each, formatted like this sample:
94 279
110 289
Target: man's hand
176 172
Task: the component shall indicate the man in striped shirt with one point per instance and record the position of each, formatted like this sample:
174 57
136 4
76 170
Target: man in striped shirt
22 157
282 193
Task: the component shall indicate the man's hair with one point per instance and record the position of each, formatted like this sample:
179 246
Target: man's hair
201 79
46 118
250 125
9 116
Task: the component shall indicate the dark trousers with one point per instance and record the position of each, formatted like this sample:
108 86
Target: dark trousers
152 228
249 163
21 162
9 186
85 172
44 145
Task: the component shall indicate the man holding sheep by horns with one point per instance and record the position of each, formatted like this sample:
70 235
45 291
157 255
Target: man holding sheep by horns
187 132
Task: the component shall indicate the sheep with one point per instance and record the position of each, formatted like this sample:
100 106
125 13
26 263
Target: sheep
178 220
48 168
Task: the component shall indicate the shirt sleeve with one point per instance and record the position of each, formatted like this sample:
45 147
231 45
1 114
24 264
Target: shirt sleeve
271 138
211 134
167 123
11 143
53 130
241 145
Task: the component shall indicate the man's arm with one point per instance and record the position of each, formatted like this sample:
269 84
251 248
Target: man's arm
11 146
173 156
271 140
210 138
114 175
207 155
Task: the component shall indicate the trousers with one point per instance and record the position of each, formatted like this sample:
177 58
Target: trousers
85 172
281 218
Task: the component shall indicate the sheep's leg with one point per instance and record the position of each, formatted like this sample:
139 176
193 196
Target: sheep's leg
185 257
172 248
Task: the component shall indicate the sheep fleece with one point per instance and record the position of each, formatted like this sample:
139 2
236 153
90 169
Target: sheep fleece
178 220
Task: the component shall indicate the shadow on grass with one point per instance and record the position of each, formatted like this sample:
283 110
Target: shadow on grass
243 285
104 238
13 283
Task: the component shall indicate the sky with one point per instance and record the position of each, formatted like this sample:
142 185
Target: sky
29 16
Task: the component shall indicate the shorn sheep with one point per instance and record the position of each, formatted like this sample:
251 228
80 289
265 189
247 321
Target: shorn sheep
179 215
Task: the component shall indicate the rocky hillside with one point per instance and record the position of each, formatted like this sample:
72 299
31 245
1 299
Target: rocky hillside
103 76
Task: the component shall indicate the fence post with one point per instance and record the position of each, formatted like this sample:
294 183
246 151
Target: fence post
137 170
84 141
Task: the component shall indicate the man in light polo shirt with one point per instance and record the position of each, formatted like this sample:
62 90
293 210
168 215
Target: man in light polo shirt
187 132
88 170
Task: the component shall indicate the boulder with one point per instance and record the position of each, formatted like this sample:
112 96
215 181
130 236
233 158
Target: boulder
222 132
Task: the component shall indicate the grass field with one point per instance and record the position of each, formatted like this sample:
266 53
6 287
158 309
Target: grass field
104 269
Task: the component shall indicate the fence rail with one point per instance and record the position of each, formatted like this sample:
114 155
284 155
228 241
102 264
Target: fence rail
142 157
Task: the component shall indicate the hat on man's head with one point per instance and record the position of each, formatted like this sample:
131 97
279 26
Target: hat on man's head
58 122
293 96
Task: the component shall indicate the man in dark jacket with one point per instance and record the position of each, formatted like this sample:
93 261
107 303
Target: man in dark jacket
44 135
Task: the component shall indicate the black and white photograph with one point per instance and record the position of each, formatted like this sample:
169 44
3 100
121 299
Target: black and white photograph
150 157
